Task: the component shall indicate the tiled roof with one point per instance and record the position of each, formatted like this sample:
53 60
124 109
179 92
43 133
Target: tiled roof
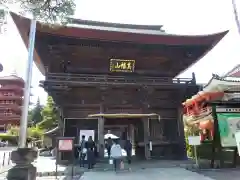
235 72
11 77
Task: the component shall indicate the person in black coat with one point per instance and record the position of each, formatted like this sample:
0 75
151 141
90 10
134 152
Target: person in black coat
128 149
90 145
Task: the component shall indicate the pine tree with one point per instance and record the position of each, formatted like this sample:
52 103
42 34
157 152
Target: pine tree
37 113
49 115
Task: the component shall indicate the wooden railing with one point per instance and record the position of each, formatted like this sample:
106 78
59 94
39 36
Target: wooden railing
110 79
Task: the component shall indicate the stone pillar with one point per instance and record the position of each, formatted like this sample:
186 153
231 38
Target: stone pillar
146 137
23 170
101 136
132 135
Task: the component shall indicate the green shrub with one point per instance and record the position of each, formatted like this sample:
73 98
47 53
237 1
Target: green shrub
12 139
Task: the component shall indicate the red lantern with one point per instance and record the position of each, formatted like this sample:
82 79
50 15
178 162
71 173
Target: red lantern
208 124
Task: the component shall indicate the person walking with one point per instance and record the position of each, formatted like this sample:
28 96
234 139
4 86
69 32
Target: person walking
116 155
82 151
90 146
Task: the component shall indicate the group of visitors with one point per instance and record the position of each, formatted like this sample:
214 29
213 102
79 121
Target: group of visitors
88 152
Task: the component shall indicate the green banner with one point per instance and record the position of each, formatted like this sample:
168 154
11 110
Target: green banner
229 124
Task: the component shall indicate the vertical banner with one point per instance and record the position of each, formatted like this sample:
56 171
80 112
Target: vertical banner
237 137
229 124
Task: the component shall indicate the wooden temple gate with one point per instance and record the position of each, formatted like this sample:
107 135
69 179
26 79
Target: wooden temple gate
110 68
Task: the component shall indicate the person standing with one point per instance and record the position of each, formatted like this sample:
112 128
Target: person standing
128 149
116 155
82 151
90 146
109 145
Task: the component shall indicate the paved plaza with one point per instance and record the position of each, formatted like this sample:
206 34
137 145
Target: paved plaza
164 170
145 174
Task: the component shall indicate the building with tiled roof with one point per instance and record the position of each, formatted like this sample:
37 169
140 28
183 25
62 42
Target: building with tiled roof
11 95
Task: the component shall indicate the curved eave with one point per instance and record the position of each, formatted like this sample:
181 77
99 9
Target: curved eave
23 26
217 84
114 34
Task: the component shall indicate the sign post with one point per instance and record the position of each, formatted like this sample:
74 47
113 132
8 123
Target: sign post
65 144
195 141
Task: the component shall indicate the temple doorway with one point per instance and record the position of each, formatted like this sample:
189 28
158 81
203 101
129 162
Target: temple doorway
126 129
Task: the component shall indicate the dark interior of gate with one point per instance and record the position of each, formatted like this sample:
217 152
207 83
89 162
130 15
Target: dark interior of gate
119 69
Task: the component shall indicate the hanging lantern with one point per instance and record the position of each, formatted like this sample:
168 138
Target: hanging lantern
208 124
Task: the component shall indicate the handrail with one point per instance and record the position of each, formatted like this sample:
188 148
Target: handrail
107 78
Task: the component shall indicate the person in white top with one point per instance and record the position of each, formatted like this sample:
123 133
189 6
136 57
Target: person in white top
116 154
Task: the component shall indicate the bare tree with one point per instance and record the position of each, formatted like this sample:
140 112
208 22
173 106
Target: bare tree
48 11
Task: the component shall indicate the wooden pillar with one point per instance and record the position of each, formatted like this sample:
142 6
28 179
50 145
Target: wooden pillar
146 137
181 136
101 136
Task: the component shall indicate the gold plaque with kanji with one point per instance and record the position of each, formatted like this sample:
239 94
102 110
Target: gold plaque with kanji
121 65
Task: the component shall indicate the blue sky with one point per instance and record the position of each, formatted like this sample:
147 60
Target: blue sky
190 17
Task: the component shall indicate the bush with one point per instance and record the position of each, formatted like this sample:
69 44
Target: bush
33 133
12 139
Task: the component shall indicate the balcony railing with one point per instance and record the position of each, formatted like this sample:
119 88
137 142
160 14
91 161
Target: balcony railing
110 79
203 111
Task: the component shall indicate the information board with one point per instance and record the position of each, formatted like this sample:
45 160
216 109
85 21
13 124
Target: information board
65 145
229 124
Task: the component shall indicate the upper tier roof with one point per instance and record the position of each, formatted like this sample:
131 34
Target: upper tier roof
124 33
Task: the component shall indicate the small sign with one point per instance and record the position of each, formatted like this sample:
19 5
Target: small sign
121 65
237 137
228 110
194 140
65 145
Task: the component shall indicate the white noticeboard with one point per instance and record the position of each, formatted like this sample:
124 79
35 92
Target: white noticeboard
237 137
194 140
86 133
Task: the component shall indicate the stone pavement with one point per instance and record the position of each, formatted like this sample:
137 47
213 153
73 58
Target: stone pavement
222 174
174 173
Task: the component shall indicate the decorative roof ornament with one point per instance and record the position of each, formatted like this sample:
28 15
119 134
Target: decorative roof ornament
14 73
